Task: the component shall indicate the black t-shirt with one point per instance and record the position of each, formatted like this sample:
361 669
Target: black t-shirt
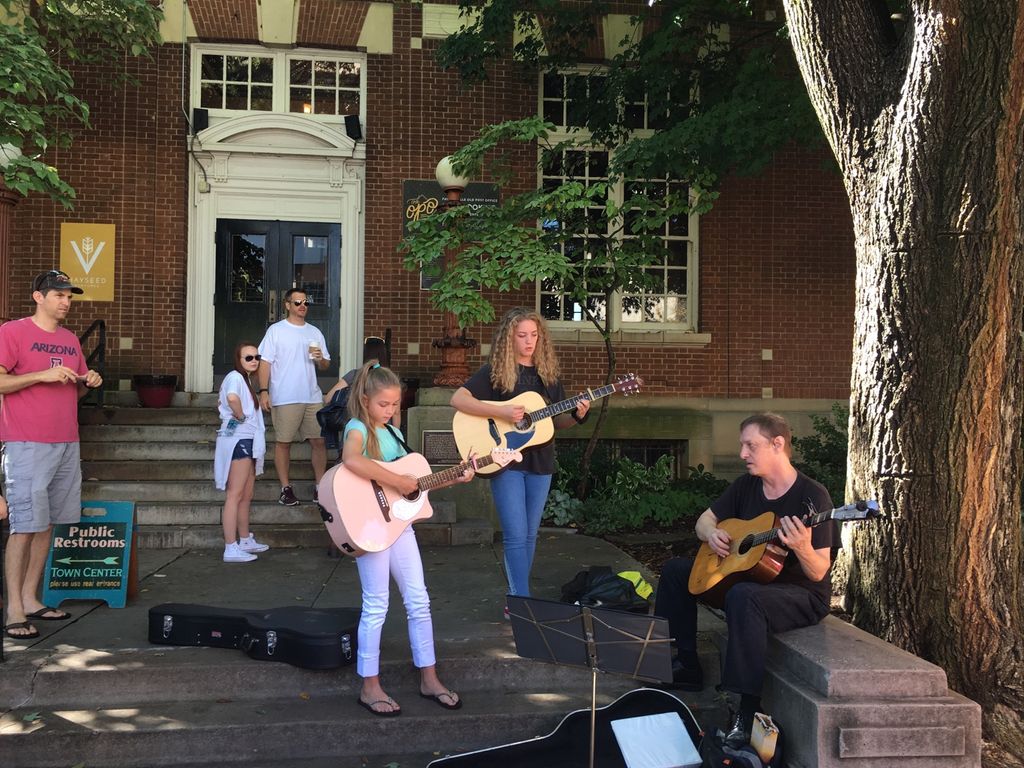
744 500
539 459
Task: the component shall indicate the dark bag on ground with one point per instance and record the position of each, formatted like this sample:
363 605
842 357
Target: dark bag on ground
312 638
715 754
599 587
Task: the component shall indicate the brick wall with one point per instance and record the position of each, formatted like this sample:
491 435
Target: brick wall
129 170
776 253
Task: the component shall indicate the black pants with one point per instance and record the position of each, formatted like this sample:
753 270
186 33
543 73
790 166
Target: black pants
752 611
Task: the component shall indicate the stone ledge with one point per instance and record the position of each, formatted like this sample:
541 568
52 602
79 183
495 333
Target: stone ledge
838 660
846 699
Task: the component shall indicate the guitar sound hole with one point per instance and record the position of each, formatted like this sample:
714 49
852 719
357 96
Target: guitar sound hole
524 423
412 496
745 545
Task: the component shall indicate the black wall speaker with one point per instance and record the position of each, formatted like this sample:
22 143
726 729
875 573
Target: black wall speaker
200 120
352 127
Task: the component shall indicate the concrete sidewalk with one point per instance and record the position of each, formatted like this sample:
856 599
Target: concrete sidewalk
94 689
467 587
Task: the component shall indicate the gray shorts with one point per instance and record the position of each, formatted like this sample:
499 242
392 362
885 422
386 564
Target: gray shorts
43 485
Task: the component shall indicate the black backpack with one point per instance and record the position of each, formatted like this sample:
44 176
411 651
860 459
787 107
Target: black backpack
333 417
598 587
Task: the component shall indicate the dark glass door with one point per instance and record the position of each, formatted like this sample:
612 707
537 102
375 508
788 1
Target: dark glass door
257 261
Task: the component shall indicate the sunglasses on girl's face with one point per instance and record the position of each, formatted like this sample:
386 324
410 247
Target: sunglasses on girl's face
299 303
250 358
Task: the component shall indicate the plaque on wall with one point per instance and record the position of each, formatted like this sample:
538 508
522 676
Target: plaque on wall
439 447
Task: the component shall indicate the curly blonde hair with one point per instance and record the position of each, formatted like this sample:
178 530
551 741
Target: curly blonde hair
504 368
371 379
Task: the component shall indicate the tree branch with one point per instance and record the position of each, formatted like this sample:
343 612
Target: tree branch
832 39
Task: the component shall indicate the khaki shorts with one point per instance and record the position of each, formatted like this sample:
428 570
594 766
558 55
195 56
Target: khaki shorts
295 421
43 485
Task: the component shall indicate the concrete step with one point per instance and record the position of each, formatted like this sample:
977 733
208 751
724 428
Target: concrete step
298 534
180 469
157 673
223 730
175 450
148 433
192 491
164 416
160 513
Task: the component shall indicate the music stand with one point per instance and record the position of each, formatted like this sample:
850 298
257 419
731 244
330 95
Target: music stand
600 639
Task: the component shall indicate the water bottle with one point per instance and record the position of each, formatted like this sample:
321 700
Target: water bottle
231 426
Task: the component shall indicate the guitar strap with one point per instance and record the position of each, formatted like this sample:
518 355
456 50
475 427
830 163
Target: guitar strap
398 436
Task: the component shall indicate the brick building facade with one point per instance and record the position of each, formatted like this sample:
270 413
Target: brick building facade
774 260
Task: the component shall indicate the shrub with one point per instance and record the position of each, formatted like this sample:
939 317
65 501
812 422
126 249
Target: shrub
823 454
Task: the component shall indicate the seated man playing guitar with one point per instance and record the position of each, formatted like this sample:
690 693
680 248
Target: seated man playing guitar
797 597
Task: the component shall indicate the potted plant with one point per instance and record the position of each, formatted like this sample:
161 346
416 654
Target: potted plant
155 390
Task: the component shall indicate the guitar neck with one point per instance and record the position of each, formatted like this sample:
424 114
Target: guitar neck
450 475
569 404
768 537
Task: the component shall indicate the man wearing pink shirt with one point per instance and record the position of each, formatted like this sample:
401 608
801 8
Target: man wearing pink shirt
42 375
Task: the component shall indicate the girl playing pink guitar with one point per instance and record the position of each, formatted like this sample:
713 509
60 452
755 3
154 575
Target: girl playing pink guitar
376 397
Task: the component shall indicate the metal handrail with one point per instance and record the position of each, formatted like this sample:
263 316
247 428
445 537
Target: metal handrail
97 359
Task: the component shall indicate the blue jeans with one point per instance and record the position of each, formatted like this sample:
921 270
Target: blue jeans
520 498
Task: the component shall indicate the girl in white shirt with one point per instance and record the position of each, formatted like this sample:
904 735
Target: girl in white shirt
241 446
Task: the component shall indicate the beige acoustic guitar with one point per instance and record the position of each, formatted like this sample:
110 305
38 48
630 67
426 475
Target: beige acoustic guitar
752 556
478 435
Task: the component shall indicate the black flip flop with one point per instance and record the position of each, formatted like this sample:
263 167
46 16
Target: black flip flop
38 615
21 625
395 712
436 698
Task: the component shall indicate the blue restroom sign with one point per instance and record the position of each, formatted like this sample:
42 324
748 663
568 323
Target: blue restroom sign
89 560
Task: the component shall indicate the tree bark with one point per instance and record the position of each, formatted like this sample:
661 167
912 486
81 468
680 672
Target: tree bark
927 124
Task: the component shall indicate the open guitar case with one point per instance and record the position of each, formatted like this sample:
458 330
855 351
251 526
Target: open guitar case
312 638
568 746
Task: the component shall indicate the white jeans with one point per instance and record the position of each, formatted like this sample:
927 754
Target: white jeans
401 560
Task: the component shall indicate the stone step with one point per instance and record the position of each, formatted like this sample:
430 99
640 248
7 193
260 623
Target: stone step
181 469
308 725
175 450
160 512
314 534
192 491
158 673
148 433
163 416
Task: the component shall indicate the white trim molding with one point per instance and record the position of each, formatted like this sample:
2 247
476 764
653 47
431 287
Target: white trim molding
276 167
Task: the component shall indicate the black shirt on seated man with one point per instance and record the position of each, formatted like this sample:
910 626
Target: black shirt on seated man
798 597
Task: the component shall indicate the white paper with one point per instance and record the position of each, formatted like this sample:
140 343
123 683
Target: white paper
655 741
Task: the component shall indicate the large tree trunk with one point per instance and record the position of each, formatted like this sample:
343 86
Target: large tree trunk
926 123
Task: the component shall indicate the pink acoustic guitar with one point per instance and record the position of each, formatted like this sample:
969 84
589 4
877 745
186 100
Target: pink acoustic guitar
364 516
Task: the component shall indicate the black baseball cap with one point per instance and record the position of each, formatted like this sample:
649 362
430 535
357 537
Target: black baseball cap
54 280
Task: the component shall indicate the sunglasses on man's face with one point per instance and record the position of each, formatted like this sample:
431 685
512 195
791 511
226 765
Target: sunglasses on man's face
299 303
250 358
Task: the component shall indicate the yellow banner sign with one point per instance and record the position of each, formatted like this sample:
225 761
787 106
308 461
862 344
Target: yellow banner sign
87 255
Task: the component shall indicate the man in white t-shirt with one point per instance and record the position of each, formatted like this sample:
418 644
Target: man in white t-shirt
293 352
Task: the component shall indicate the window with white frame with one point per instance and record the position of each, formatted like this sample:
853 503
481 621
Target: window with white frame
228 80
669 300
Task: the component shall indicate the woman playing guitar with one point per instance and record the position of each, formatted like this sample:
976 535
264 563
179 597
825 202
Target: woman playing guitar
522 360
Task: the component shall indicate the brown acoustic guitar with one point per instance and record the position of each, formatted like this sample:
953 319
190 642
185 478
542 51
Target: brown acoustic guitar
751 554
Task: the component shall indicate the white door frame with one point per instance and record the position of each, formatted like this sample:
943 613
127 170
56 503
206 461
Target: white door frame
277 167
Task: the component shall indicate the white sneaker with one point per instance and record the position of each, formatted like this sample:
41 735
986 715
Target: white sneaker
235 554
249 544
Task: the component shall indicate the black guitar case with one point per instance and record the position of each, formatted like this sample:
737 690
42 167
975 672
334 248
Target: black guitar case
568 746
313 638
